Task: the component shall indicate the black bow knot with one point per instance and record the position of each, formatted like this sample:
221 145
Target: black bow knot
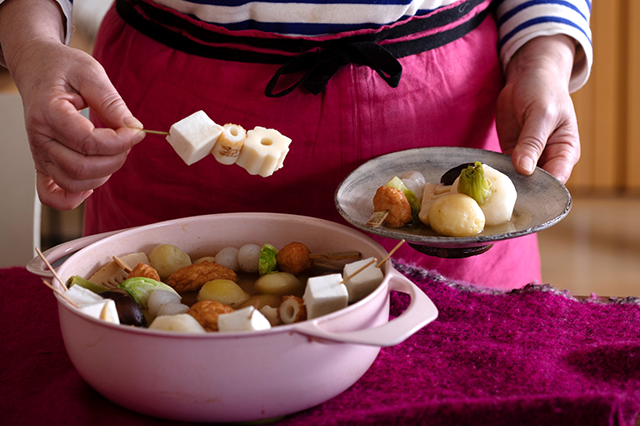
320 66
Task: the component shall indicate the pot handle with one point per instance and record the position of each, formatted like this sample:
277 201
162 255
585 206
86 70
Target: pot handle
38 267
420 312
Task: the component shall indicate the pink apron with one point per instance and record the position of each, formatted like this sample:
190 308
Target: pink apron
445 96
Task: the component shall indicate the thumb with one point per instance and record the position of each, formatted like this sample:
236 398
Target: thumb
531 143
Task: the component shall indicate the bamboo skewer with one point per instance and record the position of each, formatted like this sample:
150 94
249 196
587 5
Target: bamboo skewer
390 253
61 294
344 280
122 264
53 271
156 132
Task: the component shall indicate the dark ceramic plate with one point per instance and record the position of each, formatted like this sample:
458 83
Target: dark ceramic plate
542 200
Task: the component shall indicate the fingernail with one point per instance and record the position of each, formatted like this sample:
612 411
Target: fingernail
139 136
527 164
133 123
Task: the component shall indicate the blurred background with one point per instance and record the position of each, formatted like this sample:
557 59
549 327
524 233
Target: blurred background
595 249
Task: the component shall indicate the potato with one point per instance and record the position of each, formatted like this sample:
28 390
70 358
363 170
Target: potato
279 283
180 323
224 291
167 258
456 215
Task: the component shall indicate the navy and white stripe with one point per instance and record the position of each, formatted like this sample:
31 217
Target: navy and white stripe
521 20
518 20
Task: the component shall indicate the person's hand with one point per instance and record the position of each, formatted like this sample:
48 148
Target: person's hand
71 156
536 120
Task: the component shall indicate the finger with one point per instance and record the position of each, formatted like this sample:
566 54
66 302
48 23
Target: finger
65 124
536 129
105 101
53 196
74 172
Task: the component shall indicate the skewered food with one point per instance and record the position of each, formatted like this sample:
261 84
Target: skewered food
325 294
229 144
260 151
361 283
263 152
194 137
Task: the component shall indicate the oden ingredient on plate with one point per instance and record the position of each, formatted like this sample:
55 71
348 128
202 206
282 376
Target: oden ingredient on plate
479 196
259 294
259 151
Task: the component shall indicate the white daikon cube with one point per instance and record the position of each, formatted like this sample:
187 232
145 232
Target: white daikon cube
245 319
364 282
194 136
81 296
325 294
95 310
263 152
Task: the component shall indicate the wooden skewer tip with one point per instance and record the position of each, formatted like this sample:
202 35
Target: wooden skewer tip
53 271
390 253
61 294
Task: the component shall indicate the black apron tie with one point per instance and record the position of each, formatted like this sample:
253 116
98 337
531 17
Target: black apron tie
323 64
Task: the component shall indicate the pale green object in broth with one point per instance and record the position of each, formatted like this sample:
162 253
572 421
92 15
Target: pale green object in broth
474 183
139 288
267 263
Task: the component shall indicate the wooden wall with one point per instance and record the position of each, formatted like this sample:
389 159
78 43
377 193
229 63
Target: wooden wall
608 106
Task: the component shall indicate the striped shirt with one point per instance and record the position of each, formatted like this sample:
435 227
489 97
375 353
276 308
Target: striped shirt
518 20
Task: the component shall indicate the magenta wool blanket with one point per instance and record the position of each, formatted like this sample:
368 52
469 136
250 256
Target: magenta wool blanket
534 356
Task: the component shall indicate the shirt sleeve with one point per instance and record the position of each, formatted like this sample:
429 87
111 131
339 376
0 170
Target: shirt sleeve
522 20
67 8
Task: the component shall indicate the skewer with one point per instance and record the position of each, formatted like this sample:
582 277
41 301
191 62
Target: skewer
122 264
377 218
53 271
156 132
344 280
61 294
337 255
390 253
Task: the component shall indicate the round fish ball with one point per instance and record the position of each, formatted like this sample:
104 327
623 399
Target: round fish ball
158 298
249 257
228 257
180 323
172 309
456 215
167 258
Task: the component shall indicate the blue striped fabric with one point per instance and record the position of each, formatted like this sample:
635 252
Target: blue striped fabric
518 20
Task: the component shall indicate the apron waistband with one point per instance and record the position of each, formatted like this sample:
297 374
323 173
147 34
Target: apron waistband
318 59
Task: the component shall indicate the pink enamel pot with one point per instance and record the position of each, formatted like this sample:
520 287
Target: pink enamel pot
232 377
